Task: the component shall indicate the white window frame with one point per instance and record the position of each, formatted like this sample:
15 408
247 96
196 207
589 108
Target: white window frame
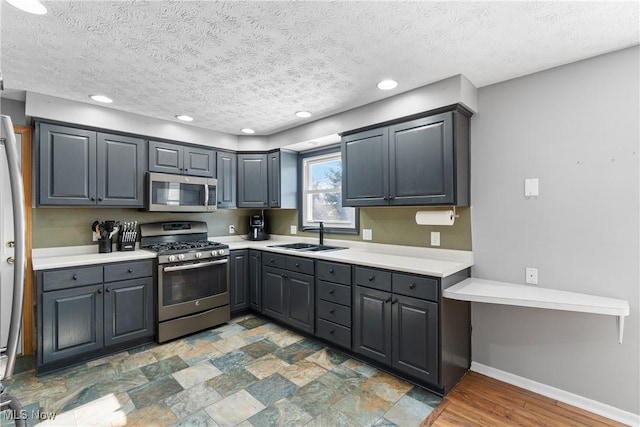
336 226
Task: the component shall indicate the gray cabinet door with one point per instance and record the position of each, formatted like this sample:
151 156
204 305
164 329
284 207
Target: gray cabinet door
421 161
252 181
67 159
239 280
300 301
165 157
273 173
274 293
372 325
227 172
415 338
365 168
121 167
255 280
199 162
71 322
128 310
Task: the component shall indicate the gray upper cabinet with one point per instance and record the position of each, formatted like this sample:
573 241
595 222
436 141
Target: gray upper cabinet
121 165
227 172
87 168
419 162
252 181
282 172
166 157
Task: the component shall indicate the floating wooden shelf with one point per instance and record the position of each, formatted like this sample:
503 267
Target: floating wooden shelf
489 291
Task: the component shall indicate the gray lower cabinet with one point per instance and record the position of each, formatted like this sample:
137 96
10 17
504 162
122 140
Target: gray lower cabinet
419 162
87 312
227 175
167 157
255 280
239 280
288 290
333 302
373 324
87 168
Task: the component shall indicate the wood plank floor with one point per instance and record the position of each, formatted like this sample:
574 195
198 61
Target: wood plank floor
479 400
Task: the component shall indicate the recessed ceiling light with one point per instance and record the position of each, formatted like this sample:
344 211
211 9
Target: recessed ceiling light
30 6
303 114
387 84
247 130
101 98
184 118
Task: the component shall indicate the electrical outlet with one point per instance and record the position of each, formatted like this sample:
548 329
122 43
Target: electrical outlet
95 236
531 187
367 234
531 276
232 229
435 238
294 229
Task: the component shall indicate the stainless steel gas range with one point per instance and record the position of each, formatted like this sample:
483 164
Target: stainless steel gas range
193 277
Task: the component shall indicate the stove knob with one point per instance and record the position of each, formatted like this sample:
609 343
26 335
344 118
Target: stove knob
198 255
221 252
181 257
214 253
172 258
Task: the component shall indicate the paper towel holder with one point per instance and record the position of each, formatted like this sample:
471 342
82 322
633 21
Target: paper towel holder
438 217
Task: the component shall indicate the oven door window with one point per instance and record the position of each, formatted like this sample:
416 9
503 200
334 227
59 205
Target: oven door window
177 194
192 284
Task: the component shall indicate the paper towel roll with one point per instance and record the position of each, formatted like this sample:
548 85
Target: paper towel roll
447 217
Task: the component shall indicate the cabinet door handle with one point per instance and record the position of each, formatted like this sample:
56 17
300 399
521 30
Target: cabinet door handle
129 271
332 311
387 300
100 290
331 271
108 290
186 170
297 265
333 331
93 199
394 301
272 260
99 199
331 291
371 278
412 286
284 275
75 277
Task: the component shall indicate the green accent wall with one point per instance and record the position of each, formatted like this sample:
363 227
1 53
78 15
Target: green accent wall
53 227
391 225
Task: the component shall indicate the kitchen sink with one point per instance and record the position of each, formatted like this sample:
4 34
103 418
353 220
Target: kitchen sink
307 247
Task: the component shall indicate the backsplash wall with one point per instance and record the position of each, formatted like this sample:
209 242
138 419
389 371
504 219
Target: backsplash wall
391 225
54 227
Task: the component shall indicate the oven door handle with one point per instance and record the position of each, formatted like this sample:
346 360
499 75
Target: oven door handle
192 266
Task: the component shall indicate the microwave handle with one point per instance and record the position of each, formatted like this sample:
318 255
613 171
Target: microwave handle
206 195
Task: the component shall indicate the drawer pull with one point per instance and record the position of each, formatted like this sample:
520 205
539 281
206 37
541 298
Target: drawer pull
129 271
412 286
333 331
387 300
371 278
99 291
331 271
331 291
333 310
75 277
394 301
297 265
108 289
272 260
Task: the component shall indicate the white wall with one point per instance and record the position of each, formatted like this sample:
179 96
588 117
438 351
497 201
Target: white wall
577 129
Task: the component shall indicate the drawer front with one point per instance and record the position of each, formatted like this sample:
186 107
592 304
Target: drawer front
335 333
301 265
333 292
373 278
335 313
71 277
334 272
127 270
274 260
415 286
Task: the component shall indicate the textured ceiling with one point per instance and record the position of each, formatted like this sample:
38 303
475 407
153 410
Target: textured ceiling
254 64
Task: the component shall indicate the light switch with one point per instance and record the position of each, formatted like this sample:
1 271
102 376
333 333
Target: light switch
531 187
294 230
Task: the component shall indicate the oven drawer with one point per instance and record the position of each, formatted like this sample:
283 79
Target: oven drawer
274 260
335 333
335 313
301 265
128 270
70 278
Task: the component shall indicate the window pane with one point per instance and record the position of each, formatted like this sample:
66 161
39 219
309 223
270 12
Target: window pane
326 174
327 207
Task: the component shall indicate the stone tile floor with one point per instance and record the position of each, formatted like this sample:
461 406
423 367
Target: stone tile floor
249 372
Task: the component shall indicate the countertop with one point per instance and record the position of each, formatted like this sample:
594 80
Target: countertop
409 259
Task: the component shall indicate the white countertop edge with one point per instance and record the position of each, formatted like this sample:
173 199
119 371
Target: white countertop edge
488 291
69 258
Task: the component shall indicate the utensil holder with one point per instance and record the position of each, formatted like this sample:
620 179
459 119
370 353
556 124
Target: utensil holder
104 246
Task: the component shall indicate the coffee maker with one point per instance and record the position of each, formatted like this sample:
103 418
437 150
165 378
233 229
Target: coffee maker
257 228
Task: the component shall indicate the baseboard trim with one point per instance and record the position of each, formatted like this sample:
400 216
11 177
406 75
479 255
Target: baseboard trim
581 402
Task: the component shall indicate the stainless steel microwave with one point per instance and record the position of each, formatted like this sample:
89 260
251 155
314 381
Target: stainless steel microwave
180 193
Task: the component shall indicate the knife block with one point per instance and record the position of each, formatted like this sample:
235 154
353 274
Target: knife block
125 246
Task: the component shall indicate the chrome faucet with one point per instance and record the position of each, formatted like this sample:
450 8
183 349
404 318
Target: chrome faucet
320 230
